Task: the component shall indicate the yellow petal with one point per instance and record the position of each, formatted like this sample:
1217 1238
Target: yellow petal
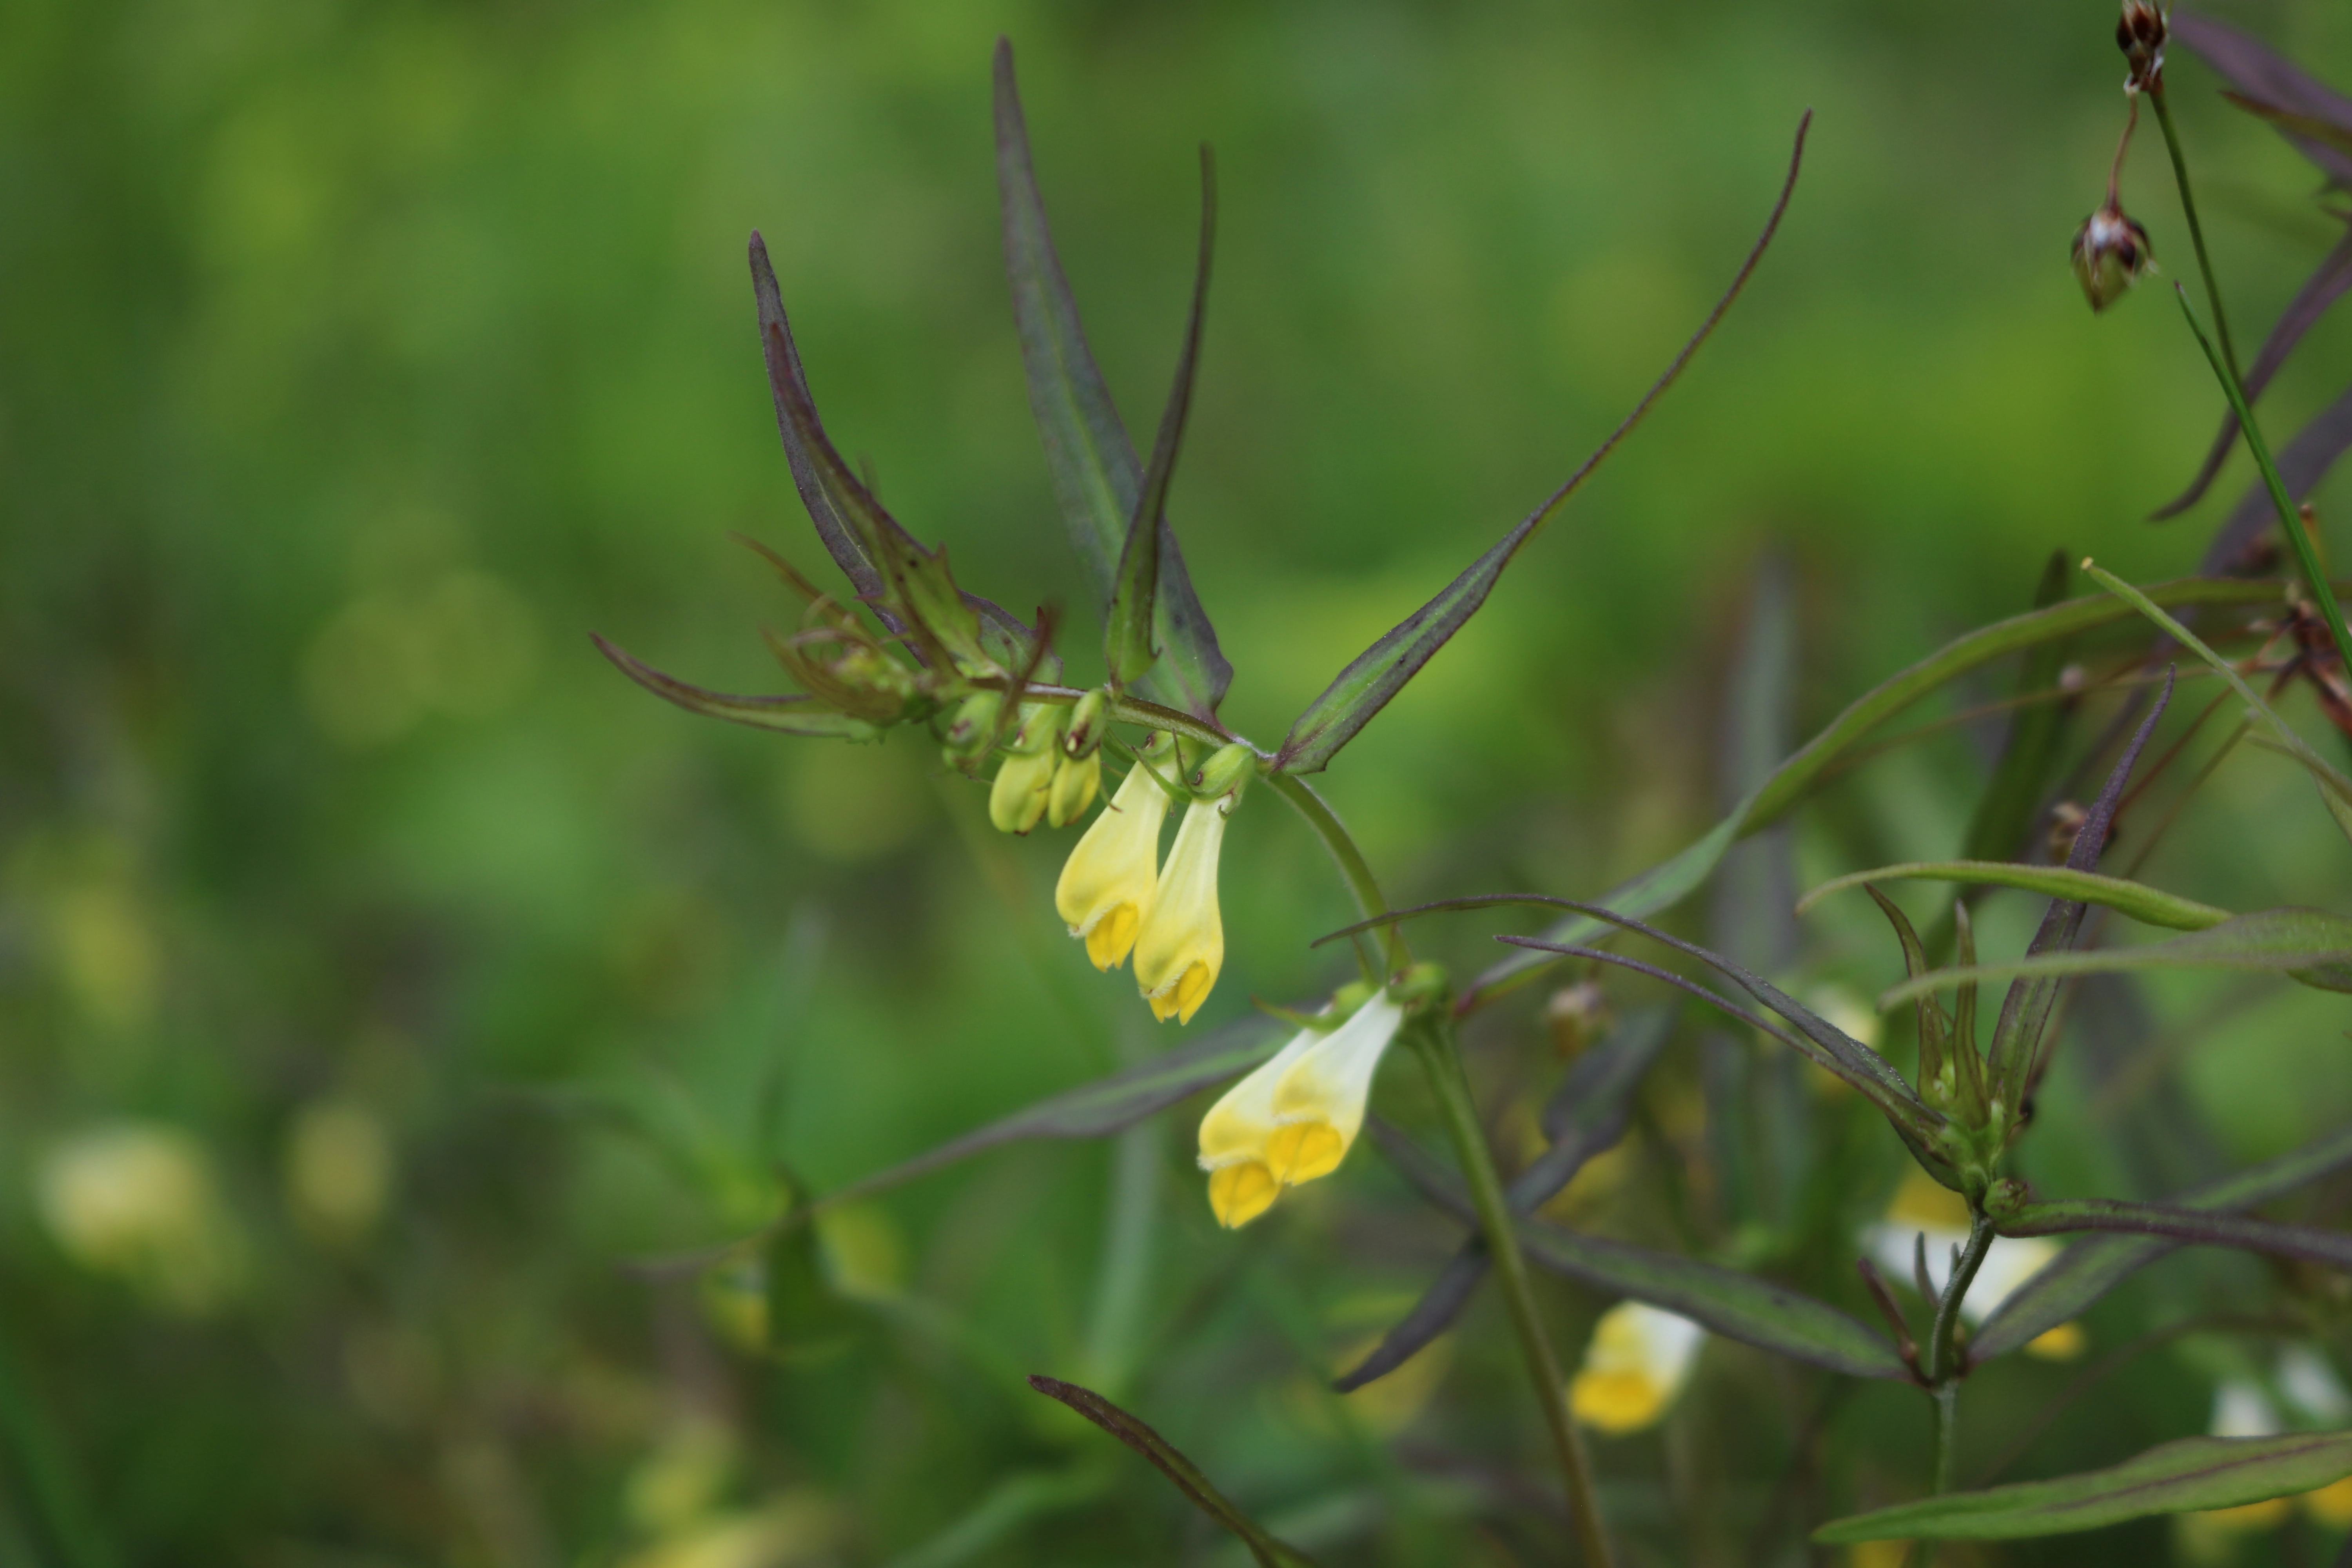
2063 1342
1616 1401
1318 1105
1112 877
1241 1193
1302 1150
1112 936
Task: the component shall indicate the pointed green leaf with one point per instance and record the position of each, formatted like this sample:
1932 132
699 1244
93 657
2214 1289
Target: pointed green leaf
1130 650
2309 945
1096 476
2202 1227
2070 1283
1735 1305
1671 880
795 715
2193 1474
2149 905
1170 1461
1381 672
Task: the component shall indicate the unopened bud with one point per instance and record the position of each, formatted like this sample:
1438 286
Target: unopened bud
2111 251
1089 718
1076 779
2073 678
1224 771
1577 1015
1041 726
1020 795
2067 819
969 731
2141 33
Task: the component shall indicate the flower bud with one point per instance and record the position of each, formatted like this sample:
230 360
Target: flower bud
1024 781
2111 251
2141 33
1576 1017
1224 771
1088 719
969 731
1076 779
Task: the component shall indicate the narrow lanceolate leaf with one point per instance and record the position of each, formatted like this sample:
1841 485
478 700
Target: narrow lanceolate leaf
2193 1474
792 715
1381 672
1735 1305
2152 905
1170 1461
863 540
2320 290
2261 73
2087 1271
1671 880
2198 1227
1097 479
2010 1061
1130 650
2302 464
1585 1116
2309 945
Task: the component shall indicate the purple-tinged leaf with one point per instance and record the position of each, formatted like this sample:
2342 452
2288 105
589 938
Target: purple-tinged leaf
1171 1462
1096 476
1381 672
851 525
1585 1116
2025 1010
2301 467
1735 1305
2070 1283
2188 1476
1130 650
793 715
2197 1227
2319 291
2261 73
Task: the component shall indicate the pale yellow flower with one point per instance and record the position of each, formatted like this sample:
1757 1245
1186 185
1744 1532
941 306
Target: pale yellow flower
1638 1361
1109 880
1233 1135
1319 1103
1182 945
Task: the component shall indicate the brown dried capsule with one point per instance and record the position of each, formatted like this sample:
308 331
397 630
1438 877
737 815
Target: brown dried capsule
2111 252
2141 33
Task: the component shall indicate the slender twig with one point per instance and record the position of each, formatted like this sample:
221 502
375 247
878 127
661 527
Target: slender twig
1940 1365
2196 235
1431 1036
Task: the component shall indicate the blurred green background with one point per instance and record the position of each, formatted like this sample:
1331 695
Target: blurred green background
357 359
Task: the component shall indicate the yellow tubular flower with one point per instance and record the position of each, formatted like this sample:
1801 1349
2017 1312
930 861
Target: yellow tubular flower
1318 1105
1639 1359
1234 1136
1182 945
1108 883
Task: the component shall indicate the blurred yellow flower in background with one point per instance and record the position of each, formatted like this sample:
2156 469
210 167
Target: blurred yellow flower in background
138 1200
1638 1361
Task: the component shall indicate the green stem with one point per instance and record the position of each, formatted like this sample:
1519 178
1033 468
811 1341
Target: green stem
2315 576
1940 1364
1352 864
2196 234
1432 1034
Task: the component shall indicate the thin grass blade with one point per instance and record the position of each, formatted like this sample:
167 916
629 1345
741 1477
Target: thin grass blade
2151 905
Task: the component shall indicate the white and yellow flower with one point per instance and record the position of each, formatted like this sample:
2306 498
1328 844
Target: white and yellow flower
1296 1117
1182 944
1110 880
1638 1361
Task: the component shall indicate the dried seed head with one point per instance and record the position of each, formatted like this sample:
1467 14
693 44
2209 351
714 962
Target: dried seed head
2141 33
2111 252
1576 1017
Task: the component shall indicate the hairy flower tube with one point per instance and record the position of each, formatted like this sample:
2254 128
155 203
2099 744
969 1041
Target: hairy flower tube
1182 945
1638 1361
1109 881
1295 1118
